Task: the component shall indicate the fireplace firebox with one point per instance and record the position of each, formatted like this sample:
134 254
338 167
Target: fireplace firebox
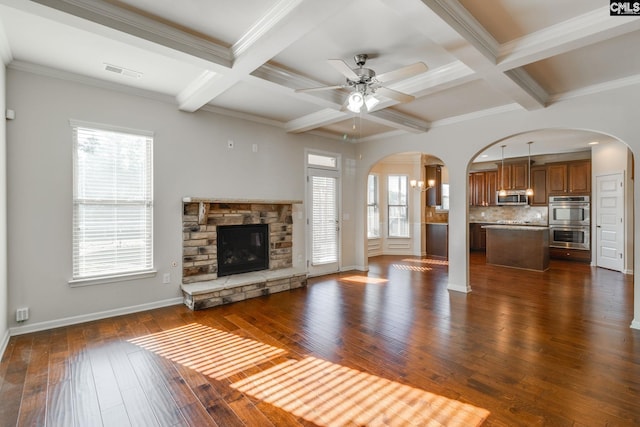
242 248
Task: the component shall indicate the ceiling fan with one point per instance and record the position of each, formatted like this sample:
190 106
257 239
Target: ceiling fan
364 83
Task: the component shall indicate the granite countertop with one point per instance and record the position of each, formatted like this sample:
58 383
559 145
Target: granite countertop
519 227
437 223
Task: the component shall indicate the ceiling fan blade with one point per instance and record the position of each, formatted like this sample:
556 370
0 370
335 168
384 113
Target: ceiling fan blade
402 73
316 89
394 94
343 68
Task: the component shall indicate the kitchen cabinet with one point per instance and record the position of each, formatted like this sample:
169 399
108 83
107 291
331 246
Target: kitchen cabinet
434 194
539 186
569 177
477 236
579 177
570 254
482 188
437 240
515 176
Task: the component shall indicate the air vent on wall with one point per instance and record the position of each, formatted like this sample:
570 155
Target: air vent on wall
122 71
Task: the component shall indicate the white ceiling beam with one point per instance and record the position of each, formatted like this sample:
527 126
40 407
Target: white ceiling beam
398 120
132 28
454 28
284 24
315 120
583 30
5 49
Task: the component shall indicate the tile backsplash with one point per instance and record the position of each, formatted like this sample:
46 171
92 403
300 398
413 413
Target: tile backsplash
536 215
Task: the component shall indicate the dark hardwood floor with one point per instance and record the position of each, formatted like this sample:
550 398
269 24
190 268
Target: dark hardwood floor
391 347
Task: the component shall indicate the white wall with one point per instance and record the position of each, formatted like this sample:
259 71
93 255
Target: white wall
4 327
191 158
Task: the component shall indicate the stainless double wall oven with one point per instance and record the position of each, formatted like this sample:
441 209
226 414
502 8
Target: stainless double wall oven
569 222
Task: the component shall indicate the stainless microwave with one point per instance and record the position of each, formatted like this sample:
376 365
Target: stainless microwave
513 197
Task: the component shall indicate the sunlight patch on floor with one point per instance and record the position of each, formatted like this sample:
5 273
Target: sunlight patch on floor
364 279
410 267
319 391
328 394
214 353
427 261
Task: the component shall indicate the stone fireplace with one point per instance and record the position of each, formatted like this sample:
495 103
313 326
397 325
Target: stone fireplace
204 221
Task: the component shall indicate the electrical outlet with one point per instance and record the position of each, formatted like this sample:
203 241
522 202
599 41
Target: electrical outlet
166 278
22 314
254 148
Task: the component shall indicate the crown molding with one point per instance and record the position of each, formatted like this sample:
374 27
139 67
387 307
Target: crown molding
267 22
120 19
238 115
508 108
597 88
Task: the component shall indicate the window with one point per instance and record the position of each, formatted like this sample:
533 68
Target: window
325 161
397 205
112 203
373 208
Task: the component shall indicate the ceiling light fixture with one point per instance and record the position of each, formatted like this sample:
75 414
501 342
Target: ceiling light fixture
361 96
529 191
502 191
419 185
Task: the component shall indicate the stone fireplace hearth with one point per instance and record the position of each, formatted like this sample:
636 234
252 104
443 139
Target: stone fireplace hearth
201 218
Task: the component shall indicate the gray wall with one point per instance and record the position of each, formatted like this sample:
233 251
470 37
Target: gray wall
4 328
191 158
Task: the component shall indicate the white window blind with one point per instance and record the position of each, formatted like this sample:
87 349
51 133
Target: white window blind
324 217
112 203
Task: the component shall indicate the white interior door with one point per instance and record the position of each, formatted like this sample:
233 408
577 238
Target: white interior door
610 221
324 222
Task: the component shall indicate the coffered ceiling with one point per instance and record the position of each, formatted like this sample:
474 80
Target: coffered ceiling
247 57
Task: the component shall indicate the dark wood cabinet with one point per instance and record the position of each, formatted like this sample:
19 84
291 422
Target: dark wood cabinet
491 181
569 177
515 176
434 194
519 176
539 186
483 188
437 240
579 177
557 178
477 237
570 254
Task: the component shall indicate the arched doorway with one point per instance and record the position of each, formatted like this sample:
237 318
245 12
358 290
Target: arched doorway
407 206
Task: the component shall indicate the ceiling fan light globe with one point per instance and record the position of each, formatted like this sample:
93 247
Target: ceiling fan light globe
371 101
356 101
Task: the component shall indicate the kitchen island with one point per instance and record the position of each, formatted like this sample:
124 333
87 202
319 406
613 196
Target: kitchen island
518 246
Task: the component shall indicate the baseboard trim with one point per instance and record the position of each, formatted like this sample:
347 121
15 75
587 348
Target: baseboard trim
635 324
459 288
50 324
4 343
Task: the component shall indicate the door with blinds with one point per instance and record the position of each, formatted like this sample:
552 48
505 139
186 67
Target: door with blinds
323 221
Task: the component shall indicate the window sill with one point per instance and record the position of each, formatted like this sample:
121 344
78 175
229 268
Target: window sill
76 283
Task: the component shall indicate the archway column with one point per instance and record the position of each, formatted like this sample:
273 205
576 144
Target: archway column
458 226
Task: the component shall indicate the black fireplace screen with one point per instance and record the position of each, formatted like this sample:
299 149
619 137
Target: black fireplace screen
242 248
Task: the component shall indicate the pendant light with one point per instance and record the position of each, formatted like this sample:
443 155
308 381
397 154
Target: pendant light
529 191
502 191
